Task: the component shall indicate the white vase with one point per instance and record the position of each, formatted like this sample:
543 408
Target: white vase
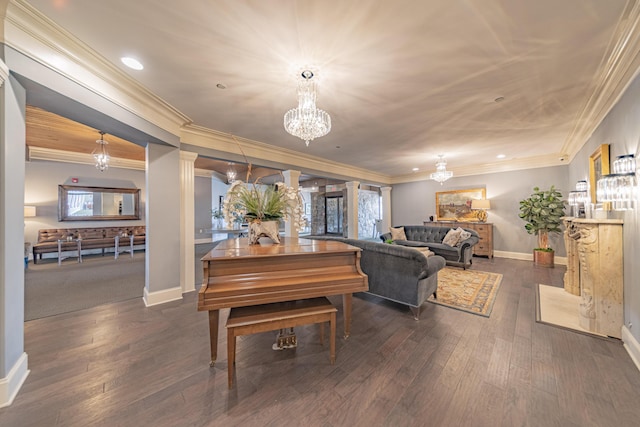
258 229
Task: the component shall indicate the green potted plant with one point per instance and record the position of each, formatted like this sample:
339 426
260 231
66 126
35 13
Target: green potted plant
543 212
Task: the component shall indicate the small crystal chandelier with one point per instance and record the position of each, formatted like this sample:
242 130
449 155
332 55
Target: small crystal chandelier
306 121
441 174
231 174
100 154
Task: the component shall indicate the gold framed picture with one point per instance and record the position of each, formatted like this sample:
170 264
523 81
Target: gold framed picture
456 205
598 167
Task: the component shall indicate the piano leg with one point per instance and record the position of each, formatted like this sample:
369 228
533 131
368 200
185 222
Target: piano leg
214 316
346 306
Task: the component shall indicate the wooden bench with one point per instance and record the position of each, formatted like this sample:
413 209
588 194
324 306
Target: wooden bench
270 317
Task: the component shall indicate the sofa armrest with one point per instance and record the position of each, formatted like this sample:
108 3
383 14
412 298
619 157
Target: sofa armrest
467 243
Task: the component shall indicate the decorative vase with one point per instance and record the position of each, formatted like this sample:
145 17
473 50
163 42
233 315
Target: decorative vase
258 229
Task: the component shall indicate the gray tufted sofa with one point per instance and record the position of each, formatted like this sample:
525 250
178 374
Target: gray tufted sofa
396 273
431 237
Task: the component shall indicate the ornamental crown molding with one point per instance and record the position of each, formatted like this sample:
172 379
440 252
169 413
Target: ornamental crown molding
255 150
617 72
39 153
37 37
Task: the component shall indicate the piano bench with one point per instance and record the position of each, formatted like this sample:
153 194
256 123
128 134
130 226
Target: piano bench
280 315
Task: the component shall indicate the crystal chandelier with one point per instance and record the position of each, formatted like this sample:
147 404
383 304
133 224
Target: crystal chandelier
306 121
101 155
231 174
441 174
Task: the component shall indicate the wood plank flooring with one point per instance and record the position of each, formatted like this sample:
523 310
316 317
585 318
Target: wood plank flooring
126 365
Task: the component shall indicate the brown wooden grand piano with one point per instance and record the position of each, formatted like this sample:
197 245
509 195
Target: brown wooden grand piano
237 274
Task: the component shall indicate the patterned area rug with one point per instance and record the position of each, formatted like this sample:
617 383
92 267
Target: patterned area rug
467 290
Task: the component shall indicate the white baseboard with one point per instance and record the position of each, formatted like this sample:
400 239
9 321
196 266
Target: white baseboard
631 345
161 297
11 384
560 260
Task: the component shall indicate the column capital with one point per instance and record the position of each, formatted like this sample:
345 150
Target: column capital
386 189
188 156
292 175
352 184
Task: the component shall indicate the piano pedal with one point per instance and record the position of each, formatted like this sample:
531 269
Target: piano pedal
285 340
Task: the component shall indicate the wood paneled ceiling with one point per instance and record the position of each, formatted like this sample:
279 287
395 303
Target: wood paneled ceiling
51 131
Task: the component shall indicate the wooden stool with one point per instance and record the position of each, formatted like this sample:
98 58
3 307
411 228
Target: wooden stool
270 317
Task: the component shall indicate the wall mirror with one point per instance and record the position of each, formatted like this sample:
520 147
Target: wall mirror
97 203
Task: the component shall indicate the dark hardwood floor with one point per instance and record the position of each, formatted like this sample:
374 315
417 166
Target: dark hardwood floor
126 365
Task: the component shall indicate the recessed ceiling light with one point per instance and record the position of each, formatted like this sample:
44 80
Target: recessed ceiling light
337 146
501 156
499 99
132 63
221 86
415 169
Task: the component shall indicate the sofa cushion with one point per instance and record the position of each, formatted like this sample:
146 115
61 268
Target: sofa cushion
453 237
412 243
397 233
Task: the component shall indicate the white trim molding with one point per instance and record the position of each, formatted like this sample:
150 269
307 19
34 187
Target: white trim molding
560 260
11 384
631 345
161 297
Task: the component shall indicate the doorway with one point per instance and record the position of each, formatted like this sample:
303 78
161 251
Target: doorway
334 215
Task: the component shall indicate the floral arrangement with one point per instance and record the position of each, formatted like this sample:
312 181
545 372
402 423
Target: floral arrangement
252 203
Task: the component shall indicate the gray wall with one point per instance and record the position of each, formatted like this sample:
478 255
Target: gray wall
41 190
621 131
202 206
413 203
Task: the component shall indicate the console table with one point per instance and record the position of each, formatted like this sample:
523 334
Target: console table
484 230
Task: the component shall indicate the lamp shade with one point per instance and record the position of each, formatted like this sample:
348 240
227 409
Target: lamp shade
29 211
480 204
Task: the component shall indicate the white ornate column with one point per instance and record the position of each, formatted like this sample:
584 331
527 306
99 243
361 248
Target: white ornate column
386 209
352 209
187 221
601 275
291 179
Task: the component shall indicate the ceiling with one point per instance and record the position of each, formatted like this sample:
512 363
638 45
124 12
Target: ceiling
403 81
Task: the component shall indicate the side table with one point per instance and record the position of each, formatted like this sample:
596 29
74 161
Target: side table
78 248
117 251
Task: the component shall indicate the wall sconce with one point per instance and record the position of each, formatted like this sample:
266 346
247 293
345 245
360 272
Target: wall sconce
616 189
481 206
578 199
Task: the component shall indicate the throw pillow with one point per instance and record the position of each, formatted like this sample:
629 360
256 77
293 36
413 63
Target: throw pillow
452 238
398 233
464 235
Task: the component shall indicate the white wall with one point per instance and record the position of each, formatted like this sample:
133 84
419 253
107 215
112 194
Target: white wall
412 203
